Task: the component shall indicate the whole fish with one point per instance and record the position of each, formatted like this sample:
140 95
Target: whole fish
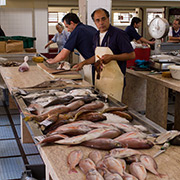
86 165
90 116
53 138
73 159
95 156
113 165
132 134
102 143
150 164
111 133
93 175
111 176
113 118
123 114
60 100
123 152
124 127
81 138
138 170
167 136
114 108
136 143
128 176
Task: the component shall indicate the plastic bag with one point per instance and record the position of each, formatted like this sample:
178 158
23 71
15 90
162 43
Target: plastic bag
24 66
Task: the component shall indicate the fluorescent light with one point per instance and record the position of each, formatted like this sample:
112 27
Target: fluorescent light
2 2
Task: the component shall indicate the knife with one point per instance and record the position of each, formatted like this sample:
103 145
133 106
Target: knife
61 71
163 149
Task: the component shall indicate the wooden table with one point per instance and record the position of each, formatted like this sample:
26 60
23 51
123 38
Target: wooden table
55 156
149 92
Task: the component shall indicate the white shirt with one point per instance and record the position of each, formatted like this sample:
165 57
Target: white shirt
101 37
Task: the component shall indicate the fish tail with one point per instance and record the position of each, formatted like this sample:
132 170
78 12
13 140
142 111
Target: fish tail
72 170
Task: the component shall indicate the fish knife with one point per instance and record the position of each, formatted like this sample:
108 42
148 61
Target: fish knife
163 149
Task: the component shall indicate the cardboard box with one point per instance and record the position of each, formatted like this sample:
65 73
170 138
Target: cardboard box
14 46
2 46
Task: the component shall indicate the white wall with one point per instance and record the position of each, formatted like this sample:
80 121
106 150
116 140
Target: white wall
41 29
17 21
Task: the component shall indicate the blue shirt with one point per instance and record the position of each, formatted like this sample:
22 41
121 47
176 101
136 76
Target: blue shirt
60 39
117 40
132 33
81 38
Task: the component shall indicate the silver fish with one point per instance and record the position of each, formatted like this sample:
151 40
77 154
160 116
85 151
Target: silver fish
138 170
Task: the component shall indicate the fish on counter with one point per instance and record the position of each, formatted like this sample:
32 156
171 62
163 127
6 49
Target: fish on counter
123 152
64 65
138 170
166 136
93 175
128 176
73 159
86 165
102 143
111 176
95 156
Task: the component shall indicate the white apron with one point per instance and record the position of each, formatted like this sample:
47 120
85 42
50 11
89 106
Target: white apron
111 80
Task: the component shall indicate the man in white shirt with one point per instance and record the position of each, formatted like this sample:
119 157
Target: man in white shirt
174 31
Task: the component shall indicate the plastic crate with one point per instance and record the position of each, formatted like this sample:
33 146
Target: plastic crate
142 54
28 42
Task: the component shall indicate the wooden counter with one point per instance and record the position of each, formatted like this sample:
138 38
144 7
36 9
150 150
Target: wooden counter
55 156
149 92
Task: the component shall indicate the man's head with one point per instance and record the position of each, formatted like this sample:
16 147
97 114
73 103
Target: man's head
70 21
59 27
136 22
101 19
176 24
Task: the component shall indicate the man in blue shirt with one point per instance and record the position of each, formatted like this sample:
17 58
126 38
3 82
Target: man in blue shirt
112 37
80 38
132 33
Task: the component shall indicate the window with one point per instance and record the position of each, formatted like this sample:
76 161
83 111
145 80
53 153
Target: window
122 18
152 13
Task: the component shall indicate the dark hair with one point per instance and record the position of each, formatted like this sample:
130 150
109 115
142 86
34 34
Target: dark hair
177 19
106 12
135 20
71 17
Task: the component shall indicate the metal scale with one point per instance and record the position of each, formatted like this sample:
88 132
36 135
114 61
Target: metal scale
158 29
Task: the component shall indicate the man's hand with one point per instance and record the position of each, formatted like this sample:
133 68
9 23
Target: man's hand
52 61
78 67
106 58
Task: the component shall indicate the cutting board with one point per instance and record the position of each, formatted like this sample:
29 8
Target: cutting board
65 75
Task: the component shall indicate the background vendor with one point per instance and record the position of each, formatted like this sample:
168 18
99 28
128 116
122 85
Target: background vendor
174 31
133 34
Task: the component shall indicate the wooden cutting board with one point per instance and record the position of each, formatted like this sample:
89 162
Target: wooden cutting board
66 75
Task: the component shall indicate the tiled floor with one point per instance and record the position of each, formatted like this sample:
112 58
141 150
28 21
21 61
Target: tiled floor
13 154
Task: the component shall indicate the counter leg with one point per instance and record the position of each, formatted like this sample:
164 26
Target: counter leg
134 94
25 135
157 103
177 112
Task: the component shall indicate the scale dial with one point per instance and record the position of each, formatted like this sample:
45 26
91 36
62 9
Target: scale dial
158 28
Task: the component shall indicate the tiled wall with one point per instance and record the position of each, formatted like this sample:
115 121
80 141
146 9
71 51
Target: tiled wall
16 21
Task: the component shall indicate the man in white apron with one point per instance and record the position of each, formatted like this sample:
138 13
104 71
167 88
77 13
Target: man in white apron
112 48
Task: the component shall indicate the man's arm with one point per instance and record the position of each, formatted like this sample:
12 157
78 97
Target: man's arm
146 41
119 57
173 39
60 57
80 65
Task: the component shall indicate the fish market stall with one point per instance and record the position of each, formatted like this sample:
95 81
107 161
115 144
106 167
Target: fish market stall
63 116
